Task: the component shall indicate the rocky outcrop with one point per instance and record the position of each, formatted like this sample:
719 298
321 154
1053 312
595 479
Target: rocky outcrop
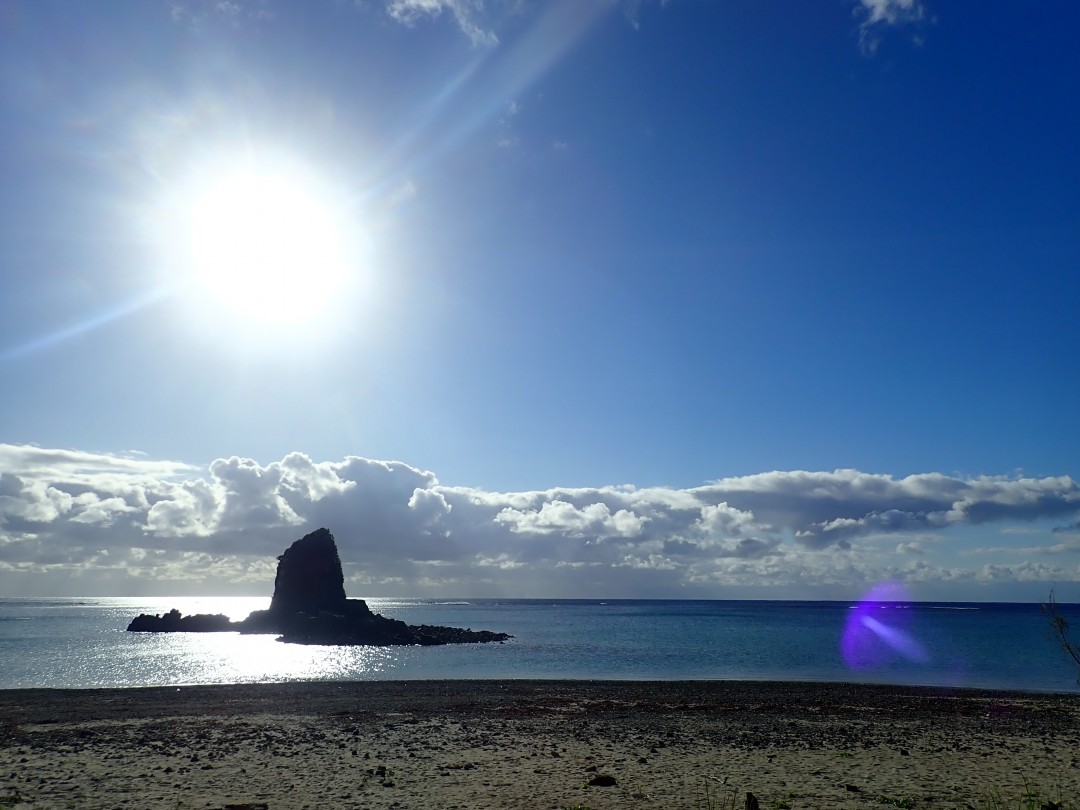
309 593
309 577
175 622
309 606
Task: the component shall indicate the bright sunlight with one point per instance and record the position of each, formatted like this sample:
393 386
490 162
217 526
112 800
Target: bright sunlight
267 242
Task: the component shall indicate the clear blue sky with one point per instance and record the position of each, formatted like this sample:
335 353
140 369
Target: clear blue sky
728 298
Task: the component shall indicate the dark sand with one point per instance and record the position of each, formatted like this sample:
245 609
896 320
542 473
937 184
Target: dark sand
532 744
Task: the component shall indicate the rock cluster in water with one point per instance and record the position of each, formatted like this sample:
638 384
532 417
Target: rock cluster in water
175 622
309 606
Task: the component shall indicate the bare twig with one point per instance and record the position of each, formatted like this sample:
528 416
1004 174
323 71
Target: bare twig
1060 626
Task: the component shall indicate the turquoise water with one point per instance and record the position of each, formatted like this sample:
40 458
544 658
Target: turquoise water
83 643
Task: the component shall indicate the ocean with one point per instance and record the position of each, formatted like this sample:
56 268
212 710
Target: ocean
82 643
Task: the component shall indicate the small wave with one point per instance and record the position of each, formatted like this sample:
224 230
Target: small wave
914 606
951 607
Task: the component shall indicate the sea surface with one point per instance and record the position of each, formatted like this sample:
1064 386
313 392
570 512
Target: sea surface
81 643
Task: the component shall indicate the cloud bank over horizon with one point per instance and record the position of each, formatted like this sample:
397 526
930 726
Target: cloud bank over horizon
75 522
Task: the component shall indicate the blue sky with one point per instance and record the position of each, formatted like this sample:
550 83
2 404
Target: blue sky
631 298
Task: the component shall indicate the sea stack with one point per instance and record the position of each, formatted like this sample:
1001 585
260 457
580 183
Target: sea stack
309 606
309 577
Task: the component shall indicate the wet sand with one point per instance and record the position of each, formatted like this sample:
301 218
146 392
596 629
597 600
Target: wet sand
532 744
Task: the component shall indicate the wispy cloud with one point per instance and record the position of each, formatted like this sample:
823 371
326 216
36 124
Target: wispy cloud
879 14
479 20
235 13
465 12
77 513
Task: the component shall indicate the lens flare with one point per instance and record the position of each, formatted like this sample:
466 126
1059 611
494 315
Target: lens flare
875 634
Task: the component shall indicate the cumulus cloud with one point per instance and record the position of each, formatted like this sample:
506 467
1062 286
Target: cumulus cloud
560 517
133 519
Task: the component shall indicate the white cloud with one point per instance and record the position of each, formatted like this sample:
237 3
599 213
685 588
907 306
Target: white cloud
464 12
479 19
100 511
877 14
892 11
198 13
128 521
1028 572
824 508
191 509
475 18
559 517
910 547
252 496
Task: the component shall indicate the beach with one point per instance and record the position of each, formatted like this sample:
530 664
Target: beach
533 744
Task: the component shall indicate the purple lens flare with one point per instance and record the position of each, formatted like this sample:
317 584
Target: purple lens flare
875 634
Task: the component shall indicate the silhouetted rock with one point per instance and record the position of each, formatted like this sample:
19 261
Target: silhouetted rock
309 606
309 577
175 622
434 634
309 592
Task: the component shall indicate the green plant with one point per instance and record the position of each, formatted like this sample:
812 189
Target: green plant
903 802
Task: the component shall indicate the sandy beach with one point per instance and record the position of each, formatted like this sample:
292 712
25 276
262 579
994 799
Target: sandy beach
533 744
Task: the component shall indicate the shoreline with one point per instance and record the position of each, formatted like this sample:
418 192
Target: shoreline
530 743
377 683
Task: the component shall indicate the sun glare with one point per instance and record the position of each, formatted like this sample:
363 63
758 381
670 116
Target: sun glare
265 242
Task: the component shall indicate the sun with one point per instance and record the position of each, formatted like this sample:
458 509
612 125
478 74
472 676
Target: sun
266 241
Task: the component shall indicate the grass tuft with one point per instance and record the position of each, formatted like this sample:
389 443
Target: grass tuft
902 802
1032 798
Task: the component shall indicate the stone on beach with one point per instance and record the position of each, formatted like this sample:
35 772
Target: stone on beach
469 744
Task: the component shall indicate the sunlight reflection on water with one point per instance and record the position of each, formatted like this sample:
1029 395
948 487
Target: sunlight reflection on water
186 658
235 607
236 658
84 643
